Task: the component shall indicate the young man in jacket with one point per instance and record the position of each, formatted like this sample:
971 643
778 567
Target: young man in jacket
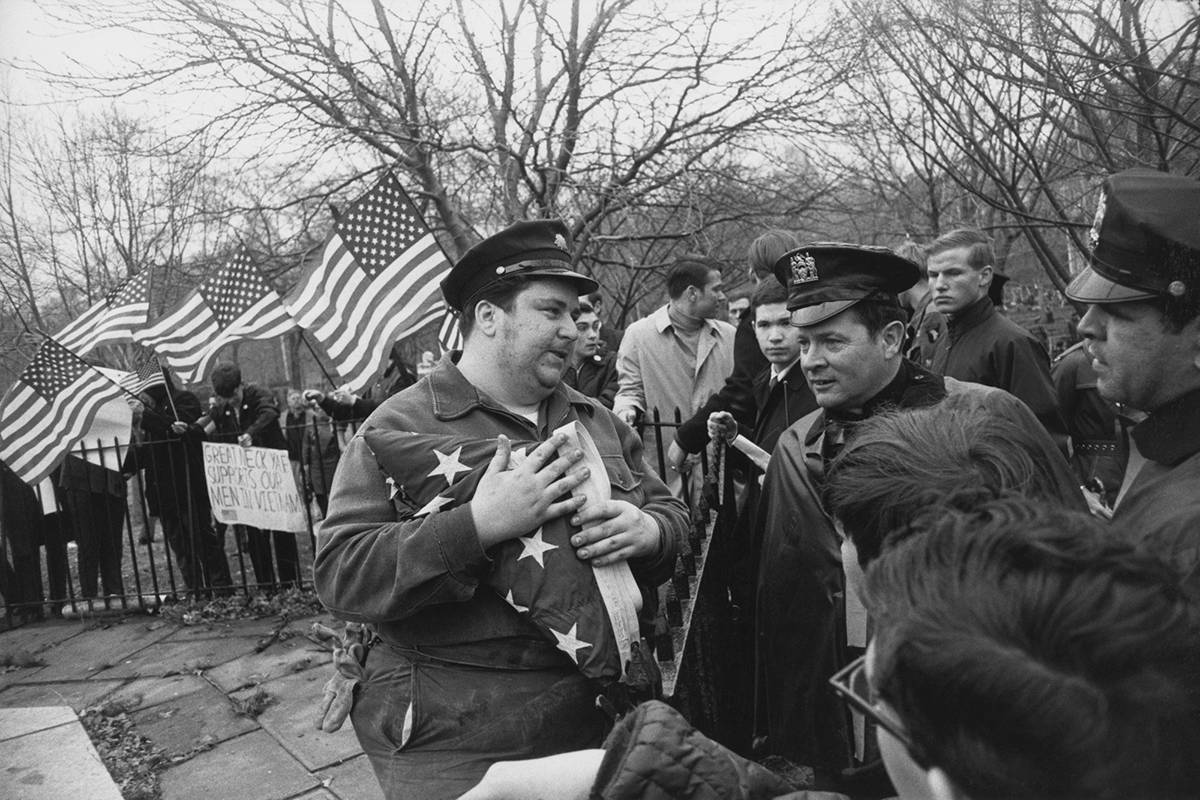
249 415
453 531
981 345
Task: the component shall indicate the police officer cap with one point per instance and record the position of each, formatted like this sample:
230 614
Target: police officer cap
534 248
826 278
1146 231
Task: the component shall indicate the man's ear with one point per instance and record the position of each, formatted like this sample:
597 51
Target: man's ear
942 787
892 337
486 313
986 275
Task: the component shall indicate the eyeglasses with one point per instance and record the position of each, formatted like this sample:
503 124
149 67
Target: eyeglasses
850 682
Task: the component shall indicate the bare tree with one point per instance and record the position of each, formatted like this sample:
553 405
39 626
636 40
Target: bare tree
495 110
1022 105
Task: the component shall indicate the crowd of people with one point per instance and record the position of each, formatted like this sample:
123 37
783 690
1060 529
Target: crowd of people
957 569
947 566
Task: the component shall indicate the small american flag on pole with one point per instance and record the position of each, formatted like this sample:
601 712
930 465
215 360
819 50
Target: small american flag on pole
377 282
113 319
49 408
146 372
233 305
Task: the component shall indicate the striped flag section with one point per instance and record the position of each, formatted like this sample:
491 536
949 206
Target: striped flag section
376 282
146 373
235 304
449 333
51 405
113 319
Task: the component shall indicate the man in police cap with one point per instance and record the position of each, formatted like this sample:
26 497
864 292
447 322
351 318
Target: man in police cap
452 532
844 299
1142 330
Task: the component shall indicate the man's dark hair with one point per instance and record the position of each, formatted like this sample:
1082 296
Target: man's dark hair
978 244
899 463
502 293
595 298
226 378
767 249
876 315
766 293
689 271
1032 652
586 308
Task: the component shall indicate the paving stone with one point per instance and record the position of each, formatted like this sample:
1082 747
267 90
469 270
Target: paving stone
11 677
202 717
290 719
235 627
146 692
99 649
317 794
353 780
76 694
53 764
281 658
20 721
169 657
253 765
37 636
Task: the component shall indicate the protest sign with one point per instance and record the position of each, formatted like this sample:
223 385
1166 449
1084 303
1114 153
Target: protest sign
253 486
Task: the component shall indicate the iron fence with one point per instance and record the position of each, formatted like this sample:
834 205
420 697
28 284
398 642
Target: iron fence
141 532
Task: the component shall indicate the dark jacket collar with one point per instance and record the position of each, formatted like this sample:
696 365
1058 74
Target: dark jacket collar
1172 433
975 314
454 396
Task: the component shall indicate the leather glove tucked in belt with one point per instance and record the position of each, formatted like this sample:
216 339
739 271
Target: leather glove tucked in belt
349 654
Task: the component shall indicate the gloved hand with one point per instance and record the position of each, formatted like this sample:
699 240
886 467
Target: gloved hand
338 698
349 652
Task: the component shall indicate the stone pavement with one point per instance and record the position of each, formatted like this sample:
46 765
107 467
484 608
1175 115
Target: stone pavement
181 687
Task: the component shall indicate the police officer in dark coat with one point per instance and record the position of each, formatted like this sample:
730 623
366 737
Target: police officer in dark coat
1142 330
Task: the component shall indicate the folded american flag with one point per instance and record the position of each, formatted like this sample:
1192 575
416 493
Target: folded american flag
538 574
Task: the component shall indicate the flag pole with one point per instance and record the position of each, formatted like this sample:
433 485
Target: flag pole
167 386
317 358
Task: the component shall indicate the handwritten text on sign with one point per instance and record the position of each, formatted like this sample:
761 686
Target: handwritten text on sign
253 486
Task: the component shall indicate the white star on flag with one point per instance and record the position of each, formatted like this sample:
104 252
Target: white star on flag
449 465
509 598
434 506
533 547
568 643
517 457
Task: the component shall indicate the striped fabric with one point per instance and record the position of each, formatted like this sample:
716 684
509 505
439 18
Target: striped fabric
51 405
377 282
236 304
113 319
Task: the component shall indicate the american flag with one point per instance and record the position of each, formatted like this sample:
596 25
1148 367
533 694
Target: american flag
122 311
449 333
233 305
48 409
537 574
146 373
377 282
